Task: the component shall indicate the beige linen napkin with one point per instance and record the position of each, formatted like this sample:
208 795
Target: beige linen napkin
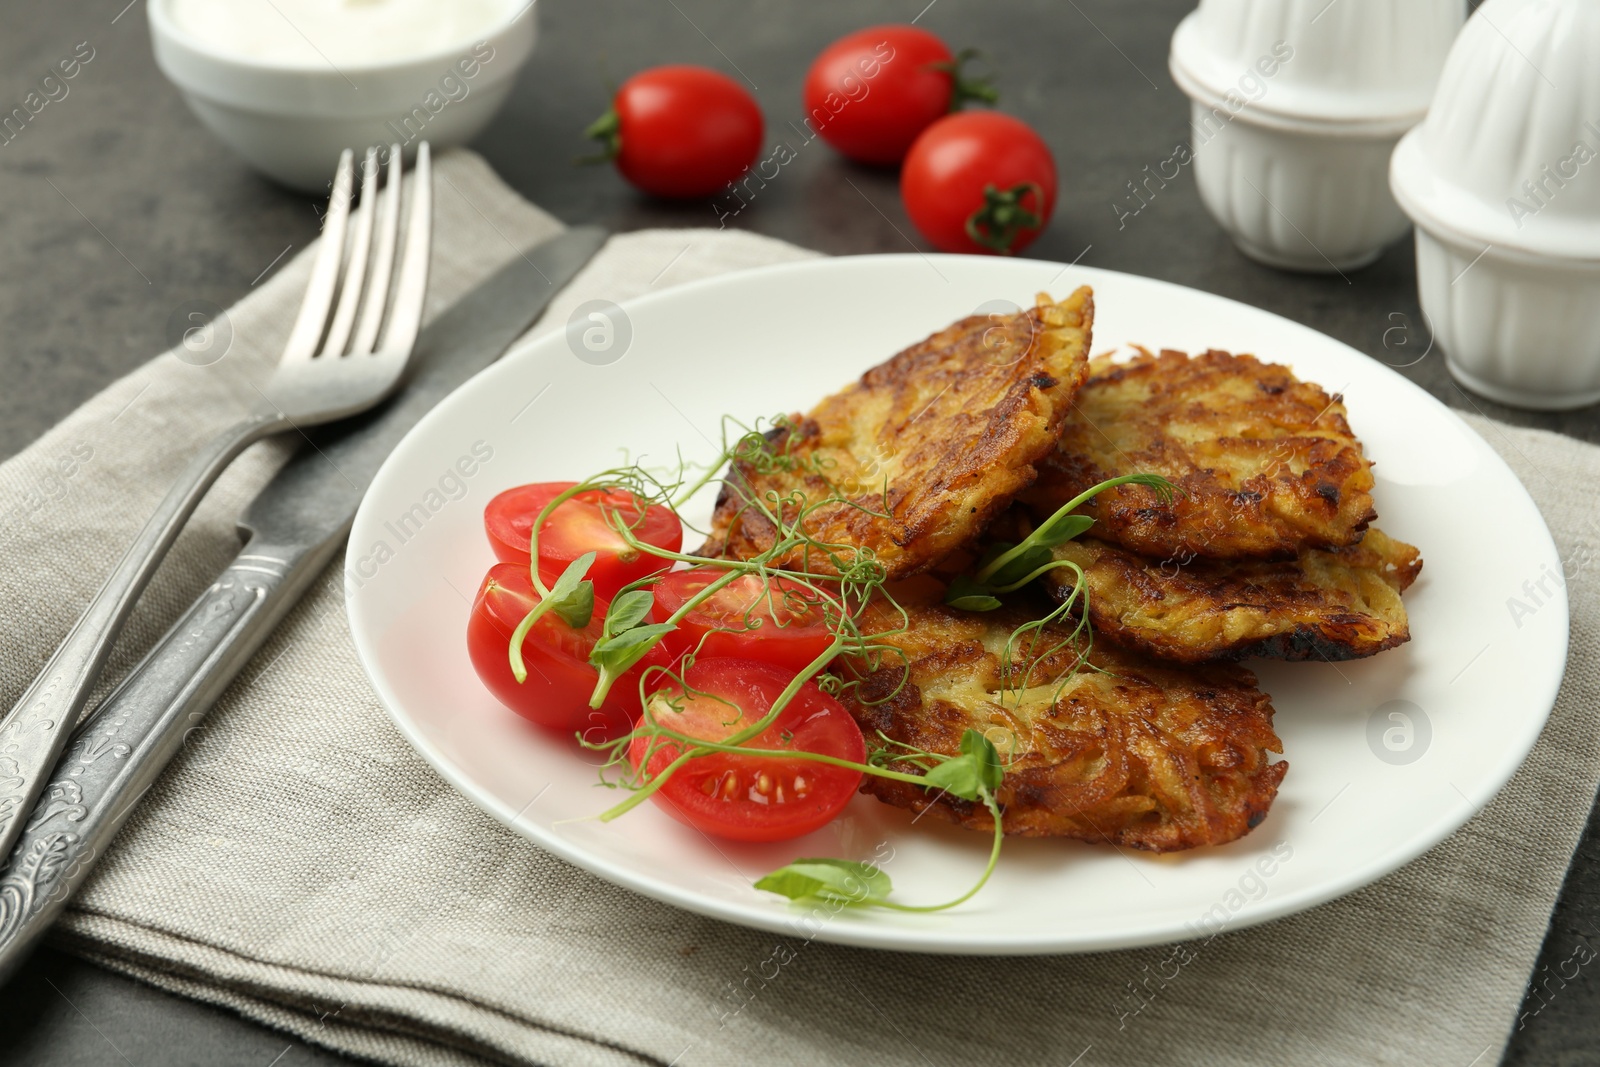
300 864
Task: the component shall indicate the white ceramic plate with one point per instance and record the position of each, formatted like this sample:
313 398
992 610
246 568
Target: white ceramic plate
1366 790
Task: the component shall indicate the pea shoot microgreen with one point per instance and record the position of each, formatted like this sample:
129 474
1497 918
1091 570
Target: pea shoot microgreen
571 598
839 580
1007 567
975 775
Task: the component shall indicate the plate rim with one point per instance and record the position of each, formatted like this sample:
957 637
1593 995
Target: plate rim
945 939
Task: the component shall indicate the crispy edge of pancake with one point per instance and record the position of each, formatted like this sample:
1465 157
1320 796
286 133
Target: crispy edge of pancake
1135 753
1267 463
1337 605
927 447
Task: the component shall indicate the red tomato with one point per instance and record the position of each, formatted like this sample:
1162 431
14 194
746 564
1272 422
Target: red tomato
871 92
783 623
560 679
579 525
753 798
681 131
979 181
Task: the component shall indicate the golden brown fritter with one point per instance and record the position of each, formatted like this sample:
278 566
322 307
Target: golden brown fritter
1324 605
1153 757
926 448
1268 462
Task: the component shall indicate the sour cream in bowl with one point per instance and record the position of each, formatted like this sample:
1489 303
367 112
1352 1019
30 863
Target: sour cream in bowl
289 84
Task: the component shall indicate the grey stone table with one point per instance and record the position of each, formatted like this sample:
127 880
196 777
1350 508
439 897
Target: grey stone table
116 207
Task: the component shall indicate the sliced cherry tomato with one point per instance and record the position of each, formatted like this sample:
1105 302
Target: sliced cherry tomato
681 131
560 679
783 622
979 181
871 92
580 525
752 798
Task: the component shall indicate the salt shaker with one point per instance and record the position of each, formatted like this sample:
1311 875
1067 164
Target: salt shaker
1296 106
1503 182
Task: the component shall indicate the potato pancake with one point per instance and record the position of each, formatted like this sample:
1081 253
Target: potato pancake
915 458
1152 757
1334 605
1267 463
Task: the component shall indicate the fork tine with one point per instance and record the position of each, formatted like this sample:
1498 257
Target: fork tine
413 285
325 273
382 261
355 269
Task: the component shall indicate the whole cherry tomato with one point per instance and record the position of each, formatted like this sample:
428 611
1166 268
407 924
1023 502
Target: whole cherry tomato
979 181
680 131
871 92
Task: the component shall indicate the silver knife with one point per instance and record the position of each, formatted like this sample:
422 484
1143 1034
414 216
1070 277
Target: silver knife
291 531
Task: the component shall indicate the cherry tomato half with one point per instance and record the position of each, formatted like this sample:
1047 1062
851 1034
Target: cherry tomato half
979 181
871 92
560 679
681 131
752 798
579 525
780 621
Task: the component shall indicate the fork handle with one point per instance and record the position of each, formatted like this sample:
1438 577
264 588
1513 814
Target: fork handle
118 754
33 734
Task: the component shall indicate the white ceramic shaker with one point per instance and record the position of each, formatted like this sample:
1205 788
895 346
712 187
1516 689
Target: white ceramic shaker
1503 182
1296 108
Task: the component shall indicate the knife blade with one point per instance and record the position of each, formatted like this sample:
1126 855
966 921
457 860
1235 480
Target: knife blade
290 531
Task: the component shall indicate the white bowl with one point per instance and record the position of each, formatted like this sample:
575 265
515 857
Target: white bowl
1503 183
1297 106
291 121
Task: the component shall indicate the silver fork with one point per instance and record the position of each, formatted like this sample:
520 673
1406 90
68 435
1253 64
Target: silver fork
335 364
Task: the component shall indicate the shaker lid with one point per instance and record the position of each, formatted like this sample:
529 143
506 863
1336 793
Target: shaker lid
1371 63
1509 155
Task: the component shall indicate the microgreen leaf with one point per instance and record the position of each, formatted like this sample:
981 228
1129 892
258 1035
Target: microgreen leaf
1029 557
829 881
1006 567
571 597
615 655
621 651
973 773
628 610
982 751
968 594
992 553
1061 529
1164 488
577 608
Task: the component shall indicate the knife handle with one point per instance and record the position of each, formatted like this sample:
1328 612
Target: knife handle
115 757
